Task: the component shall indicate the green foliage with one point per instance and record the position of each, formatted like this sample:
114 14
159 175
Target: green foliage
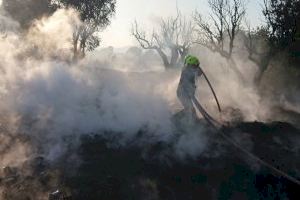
282 18
93 42
97 12
95 15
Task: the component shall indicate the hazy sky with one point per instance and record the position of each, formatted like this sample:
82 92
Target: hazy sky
147 11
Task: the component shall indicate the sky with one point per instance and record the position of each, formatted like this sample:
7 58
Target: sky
148 11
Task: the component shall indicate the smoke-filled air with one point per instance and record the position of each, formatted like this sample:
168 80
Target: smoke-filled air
197 103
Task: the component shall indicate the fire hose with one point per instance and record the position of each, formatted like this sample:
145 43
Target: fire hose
217 126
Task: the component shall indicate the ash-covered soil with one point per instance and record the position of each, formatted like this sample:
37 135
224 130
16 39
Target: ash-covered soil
99 170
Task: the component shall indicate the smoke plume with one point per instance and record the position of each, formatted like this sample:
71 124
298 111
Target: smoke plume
49 99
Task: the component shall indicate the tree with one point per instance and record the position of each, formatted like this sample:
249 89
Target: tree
277 36
224 24
171 41
95 15
225 21
282 17
257 43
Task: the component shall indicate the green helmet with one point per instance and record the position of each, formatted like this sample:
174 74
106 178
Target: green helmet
192 60
186 58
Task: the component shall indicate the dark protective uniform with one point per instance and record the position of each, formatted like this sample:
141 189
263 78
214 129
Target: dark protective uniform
186 89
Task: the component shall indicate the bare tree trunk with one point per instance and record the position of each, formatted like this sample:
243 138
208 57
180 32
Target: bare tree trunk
231 46
163 57
175 34
174 57
75 46
82 47
263 66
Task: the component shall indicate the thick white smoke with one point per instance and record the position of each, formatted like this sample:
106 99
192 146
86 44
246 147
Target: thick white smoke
47 102
48 98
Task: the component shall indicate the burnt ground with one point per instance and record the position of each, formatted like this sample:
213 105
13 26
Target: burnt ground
136 173
107 172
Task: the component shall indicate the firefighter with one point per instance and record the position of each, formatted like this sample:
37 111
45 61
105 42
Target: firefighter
187 86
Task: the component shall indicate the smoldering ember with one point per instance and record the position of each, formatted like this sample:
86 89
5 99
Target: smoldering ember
149 100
